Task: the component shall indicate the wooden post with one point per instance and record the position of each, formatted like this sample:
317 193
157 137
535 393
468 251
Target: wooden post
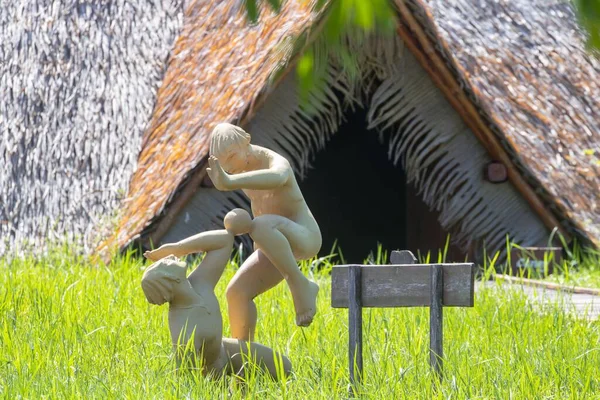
355 325
436 320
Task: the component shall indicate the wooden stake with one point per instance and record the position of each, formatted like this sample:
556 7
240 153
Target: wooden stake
436 320
355 326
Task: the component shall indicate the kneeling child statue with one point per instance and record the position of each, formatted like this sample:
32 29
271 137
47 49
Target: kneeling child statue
194 312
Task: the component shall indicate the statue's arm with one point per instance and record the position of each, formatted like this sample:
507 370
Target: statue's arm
261 179
217 246
269 178
202 242
205 241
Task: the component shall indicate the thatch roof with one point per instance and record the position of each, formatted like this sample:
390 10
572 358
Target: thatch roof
525 65
78 82
221 68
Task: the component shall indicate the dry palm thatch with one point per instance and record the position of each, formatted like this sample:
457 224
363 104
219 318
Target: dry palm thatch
212 79
78 82
524 65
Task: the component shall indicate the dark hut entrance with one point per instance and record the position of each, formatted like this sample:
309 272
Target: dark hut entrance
360 199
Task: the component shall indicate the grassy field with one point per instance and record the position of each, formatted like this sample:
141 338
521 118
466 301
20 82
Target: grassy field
585 273
68 330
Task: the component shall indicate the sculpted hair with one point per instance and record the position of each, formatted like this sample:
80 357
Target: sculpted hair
158 280
225 135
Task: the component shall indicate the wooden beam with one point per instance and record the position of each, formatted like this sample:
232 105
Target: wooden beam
355 343
404 285
436 320
419 44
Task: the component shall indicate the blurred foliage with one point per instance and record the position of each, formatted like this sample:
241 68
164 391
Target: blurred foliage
588 12
252 8
342 19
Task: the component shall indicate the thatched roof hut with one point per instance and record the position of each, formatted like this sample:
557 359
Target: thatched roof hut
462 84
78 82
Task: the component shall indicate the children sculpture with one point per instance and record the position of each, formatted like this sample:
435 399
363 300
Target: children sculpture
194 312
284 230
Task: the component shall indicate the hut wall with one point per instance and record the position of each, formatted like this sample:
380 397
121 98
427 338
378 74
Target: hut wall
78 82
441 156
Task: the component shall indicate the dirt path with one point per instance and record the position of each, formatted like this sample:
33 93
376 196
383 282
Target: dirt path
584 305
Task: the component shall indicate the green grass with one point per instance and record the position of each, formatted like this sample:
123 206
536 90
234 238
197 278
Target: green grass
585 272
69 330
586 276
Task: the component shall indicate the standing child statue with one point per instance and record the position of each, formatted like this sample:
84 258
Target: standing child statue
284 229
194 312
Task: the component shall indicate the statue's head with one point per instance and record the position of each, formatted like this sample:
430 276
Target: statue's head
160 279
231 145
238 221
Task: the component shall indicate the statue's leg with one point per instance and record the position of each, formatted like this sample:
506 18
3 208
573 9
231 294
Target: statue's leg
254 277
241 353
282 240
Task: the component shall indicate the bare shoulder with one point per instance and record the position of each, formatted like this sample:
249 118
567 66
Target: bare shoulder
276 161
271 155
279 161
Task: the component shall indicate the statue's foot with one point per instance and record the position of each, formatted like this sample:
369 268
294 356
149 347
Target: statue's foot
305 302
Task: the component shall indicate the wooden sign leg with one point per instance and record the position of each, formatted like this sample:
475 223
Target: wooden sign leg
355 325
436 320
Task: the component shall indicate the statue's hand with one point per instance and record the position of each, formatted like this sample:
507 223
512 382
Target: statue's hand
218 176
151 255
162 252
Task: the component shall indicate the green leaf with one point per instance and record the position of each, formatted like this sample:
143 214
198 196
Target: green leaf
385 16
320 4
304 71
305 64
364 14
335 22
588 13
275 5
251 10
588 8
